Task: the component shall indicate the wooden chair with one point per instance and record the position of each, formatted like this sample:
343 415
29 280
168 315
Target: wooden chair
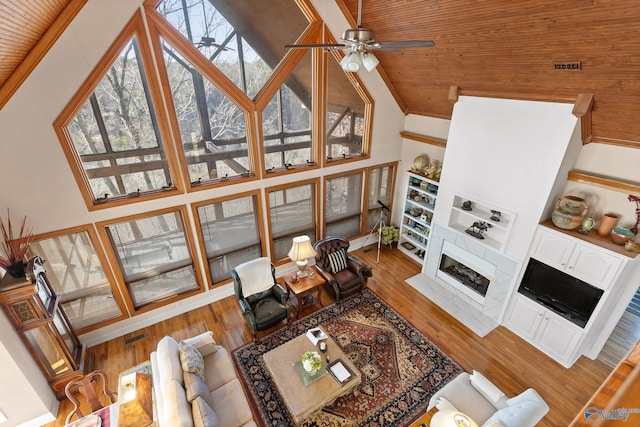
94 387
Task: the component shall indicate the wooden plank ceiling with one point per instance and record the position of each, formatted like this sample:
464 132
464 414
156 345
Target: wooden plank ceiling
497 46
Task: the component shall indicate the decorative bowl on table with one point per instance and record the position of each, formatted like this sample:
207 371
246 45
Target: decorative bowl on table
311 362
621 235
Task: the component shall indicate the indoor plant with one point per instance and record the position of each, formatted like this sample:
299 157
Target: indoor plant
389 234
15 247
311 362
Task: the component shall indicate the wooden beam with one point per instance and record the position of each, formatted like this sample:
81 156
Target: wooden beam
422 138
454 93
603 182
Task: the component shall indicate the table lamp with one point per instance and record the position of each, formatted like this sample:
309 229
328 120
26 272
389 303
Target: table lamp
300 252
451 419
136 405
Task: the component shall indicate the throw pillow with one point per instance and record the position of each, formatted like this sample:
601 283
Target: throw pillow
338 260
191 359
204 343
486 387
203 414
195 387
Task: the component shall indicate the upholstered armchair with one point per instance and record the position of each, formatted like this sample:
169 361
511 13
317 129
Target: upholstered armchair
262 300
483 402
344 274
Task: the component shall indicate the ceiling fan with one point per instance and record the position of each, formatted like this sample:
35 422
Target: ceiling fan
359 41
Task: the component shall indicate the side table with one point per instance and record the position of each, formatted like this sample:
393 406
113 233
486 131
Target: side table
304 287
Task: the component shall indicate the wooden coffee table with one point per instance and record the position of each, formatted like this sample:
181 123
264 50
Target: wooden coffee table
302 400
304 287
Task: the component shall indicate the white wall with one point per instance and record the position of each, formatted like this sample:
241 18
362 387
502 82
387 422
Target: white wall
25 393
39 183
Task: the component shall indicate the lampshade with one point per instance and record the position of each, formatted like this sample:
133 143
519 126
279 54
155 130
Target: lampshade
451 419
301 250
369 61
351 62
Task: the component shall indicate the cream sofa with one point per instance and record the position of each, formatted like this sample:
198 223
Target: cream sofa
478 398
180 402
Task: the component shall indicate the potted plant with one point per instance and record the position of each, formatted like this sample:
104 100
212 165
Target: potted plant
15 247
389 234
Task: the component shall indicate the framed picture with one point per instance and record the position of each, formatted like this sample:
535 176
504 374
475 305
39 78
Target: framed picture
408 246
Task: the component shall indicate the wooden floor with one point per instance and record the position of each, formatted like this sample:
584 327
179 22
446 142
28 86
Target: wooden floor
511 363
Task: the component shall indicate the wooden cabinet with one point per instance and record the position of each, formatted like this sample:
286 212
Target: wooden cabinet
586 262
417 213
544 329
32 306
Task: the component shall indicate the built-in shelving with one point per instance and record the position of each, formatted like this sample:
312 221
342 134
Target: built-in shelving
467 211
417 213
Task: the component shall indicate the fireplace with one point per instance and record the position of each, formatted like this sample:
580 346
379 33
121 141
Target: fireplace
465 271
465 275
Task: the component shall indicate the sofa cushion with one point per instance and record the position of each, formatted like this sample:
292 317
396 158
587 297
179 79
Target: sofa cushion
338 260
191 360
230 404
218 369
177 411
525 409
196 387
169 367
203 414
444 405
490 392
204 343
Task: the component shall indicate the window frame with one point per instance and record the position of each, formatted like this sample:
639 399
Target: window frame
106 267
201 240
362 213
115 264
367 187
160 28
134 28
369 105
315 183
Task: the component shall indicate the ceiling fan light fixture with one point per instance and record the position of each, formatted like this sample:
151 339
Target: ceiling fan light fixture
351 62
369 61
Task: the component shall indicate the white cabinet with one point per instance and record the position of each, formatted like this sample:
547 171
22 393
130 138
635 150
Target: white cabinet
586 262
550 333
417 212
495 222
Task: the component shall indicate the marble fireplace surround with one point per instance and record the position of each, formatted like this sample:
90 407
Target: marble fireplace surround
480 318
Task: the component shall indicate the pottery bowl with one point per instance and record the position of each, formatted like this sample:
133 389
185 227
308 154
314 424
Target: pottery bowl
621 235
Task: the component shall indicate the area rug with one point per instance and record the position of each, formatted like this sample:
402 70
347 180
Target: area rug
401 369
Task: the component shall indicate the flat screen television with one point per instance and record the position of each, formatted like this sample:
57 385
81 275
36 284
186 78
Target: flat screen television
567 296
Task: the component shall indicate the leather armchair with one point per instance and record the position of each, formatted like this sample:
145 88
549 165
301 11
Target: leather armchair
346 281
262 299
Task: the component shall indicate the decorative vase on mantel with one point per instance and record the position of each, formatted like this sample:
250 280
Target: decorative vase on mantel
17 269
607 222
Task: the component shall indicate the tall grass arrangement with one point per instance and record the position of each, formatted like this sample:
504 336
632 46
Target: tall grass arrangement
15 247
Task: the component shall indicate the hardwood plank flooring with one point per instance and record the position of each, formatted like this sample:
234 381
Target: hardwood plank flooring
511 363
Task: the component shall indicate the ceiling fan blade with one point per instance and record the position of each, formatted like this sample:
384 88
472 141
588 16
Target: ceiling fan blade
312 45
400 44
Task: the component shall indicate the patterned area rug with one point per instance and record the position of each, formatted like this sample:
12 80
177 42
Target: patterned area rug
401 369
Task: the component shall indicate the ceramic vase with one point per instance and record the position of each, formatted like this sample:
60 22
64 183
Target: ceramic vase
607 222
